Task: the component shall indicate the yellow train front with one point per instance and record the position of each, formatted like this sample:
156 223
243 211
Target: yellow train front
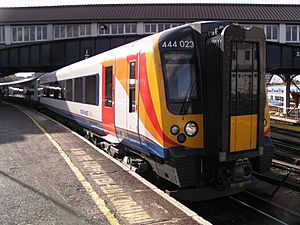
206 108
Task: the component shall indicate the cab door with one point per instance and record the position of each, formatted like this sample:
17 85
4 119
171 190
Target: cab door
133 100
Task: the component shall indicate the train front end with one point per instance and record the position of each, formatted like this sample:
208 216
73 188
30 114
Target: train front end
218 79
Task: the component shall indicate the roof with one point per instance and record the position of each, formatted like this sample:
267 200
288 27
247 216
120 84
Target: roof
152 12
20 81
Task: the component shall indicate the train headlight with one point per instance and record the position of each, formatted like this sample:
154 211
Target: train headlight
265 122
174 130
191 129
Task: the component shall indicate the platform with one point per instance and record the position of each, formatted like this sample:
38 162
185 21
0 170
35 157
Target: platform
51 175
286 126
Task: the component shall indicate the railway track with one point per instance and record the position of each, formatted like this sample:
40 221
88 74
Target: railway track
288 145
245 209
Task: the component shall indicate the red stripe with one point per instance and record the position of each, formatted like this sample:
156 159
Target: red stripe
148 103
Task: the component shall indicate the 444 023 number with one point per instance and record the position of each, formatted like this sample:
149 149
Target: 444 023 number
178 44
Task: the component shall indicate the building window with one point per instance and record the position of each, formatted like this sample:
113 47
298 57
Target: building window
72 31
271 32
117 29
2 34
151 28
29 33
292 33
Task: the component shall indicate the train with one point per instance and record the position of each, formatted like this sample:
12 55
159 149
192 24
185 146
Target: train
188 104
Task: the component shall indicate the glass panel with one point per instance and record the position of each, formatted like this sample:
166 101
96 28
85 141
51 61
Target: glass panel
32 33
108 86
69 31
167 26
69 88
75 31
294 33
288 33
275 31
133 27
132 87
2 34
114 29
132 70
20 34
14 34
180 80
108 29
82 30
38 33
88 29
269 32
147 28
153 28
26 33
120 29
78 90
244 79
127 28
160 27
45 32
90 90
62 32
56 32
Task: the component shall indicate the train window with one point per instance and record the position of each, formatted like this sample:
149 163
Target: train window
132 70
244 78
53 90
108 86
181 82
69 88
91 90
78 90
62 92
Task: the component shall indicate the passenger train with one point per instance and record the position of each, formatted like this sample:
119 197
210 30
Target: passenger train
188 102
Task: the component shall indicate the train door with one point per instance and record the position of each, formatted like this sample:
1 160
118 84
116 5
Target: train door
133 103
233 93
108 101
244 96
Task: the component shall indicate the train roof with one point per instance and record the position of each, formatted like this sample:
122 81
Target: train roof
26 80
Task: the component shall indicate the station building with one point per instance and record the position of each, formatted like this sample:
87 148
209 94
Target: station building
281 23
47 38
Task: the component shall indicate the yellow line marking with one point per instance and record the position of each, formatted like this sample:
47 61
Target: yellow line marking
88 187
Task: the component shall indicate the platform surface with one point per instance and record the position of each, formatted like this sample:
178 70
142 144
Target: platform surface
50 175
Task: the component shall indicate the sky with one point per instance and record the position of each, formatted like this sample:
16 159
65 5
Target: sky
24 3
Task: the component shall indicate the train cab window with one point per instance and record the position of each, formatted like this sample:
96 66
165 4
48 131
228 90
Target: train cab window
78 90
69 90
181 82
91 90
108 86
132 69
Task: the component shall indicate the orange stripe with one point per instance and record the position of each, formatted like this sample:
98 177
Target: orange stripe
147 100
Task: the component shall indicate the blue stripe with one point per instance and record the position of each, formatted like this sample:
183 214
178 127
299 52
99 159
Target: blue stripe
142 144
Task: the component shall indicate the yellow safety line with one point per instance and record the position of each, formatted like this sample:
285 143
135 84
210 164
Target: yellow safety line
88 187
